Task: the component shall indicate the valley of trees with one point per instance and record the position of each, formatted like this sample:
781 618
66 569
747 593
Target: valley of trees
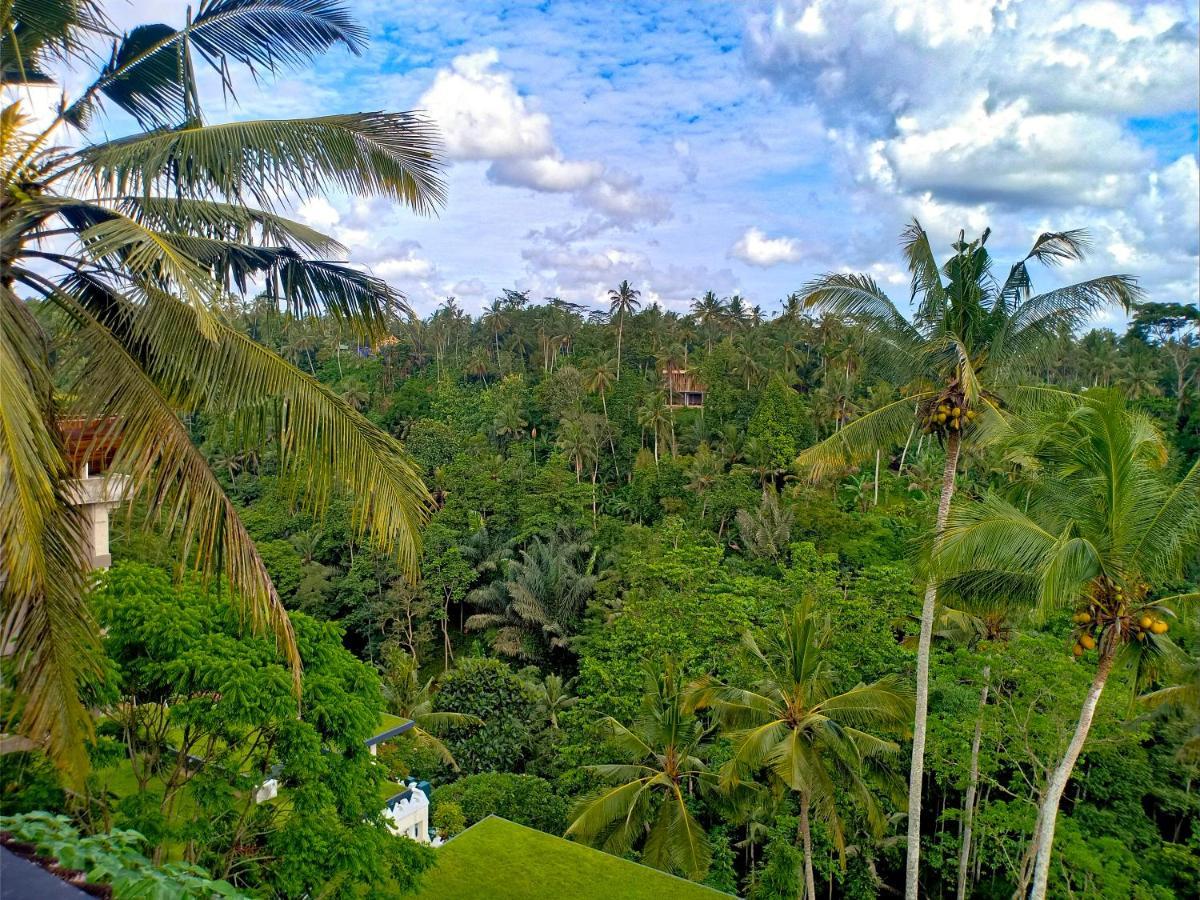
823 596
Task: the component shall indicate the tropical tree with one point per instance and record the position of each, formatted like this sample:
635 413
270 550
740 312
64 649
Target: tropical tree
552 694
1100 531
646 796
134 241
793 722
655 415
539 602
410 698
960 361
623 302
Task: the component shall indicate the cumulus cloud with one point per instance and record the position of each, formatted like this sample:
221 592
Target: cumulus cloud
483 117
756 249
404 261
1018 115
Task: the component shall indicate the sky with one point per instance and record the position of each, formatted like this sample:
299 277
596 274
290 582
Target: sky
749 147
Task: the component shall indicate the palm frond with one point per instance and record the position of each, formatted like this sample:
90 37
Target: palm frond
46 628
882 428
166 469
150 75
269 161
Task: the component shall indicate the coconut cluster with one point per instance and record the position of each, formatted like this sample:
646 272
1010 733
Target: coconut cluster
1113 610
948 413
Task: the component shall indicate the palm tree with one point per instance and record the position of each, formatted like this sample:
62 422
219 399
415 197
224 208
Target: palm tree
578 437
496 319
808 736
960 359
623 302
134 241
539 603
1098 530
409 698
655 414
552 695
646 798
709 312
600 381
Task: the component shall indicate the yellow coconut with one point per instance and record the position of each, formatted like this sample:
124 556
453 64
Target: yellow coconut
1159 627
1087 641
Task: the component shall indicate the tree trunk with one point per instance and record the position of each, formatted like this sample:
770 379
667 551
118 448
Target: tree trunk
907 441
810 885
878 453
917 769
620 329
1058 781
964 853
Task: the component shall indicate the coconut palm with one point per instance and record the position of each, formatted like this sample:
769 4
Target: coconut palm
623 302
579 438
646 798
551 694
1098 531
134 241
655 415
410 698
960 361
793 723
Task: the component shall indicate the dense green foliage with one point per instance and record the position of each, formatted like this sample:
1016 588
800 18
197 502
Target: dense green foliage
561 557
110 858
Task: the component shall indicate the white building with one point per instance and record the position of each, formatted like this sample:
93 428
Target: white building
408 814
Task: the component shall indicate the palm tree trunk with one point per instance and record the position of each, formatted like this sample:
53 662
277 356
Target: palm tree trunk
964 853
1058 781
620 328
810 885
920 721
907 441
875 501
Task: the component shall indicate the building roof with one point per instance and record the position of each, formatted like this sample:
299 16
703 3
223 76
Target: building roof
392 726
500 860
94 441
682 381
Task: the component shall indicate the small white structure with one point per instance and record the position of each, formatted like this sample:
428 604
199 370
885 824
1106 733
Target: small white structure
97 494
91 446
408 815
268 790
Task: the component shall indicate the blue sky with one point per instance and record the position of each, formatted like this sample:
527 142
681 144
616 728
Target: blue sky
750 146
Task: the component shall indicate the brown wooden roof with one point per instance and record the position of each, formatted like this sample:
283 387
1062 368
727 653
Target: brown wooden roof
94 441
681 381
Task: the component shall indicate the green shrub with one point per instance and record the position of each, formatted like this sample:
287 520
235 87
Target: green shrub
525 799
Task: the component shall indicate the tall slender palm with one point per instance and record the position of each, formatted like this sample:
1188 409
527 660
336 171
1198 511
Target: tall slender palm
793 723
623 302
496 319
600 381
1098 531
960 361
655 414
134 241
410 698
708 311
646 798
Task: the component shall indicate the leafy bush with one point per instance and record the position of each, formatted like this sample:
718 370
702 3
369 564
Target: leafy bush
448 819
524 799
112 858
490 690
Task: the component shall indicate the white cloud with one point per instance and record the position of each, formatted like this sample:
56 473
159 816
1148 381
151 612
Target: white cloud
481 115
546 173
404 262
756 249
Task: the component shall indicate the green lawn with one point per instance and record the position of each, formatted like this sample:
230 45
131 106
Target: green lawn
387 722
499 860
